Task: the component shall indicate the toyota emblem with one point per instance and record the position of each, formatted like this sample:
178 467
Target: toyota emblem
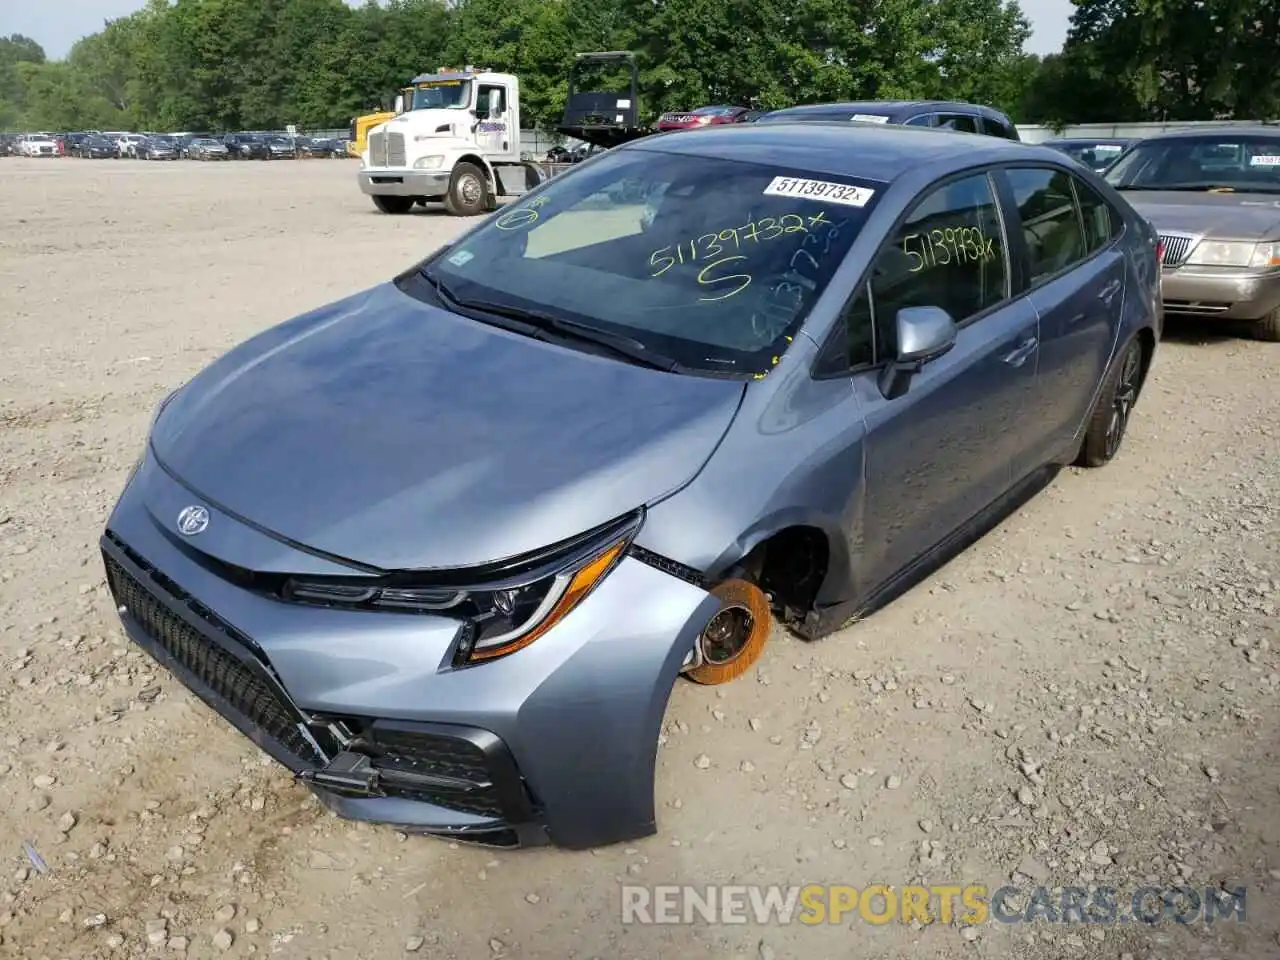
192 520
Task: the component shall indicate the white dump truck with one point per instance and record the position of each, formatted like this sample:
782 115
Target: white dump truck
455 138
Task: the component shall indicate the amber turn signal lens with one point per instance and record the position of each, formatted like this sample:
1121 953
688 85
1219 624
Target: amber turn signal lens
580 584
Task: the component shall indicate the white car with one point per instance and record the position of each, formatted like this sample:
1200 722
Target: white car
37 145
128 144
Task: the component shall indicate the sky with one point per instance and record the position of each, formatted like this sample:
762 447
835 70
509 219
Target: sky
57 24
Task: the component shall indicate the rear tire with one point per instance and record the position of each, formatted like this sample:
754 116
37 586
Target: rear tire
467 191
394 204
1115 405
1268 328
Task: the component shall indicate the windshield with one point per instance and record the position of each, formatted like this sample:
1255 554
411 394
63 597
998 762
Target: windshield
1244 164
442 95
711 262
715 111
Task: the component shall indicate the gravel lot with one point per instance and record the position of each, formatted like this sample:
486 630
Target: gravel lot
1088 695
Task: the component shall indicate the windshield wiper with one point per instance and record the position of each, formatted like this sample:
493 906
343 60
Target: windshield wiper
627 348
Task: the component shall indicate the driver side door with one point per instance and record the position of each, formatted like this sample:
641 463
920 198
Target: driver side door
939 453
493 127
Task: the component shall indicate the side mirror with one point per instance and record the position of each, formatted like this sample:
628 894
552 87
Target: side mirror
494 104
924 334
399 108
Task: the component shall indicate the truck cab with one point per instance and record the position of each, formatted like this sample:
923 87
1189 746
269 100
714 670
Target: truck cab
455 138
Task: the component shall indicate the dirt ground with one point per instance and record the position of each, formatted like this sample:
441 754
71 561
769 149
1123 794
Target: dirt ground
1089 695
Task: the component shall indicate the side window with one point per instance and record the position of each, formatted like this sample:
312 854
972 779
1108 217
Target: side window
949 253
958 121
998 128
1101 223
1050 221
482 101
923 120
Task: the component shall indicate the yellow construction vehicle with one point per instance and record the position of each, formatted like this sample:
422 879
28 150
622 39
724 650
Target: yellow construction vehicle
360 126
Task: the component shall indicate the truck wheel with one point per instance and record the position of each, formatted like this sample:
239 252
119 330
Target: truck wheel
467 190
394 204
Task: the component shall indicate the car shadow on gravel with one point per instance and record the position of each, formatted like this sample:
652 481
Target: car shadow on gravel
1192 330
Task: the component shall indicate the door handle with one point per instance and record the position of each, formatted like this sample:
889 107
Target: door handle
1109 292
1019 354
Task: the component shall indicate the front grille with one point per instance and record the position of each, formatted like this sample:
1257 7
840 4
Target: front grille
1176 249
395 149
223 674
429 754
377 149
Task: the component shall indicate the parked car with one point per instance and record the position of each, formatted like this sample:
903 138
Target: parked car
1214 196
157 148
281 148
246 146
808 365
1093 153
939 114
704 117
207 148
128 144
97 147
321 147
71 143
37 145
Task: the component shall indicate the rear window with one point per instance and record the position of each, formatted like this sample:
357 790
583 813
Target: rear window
712 262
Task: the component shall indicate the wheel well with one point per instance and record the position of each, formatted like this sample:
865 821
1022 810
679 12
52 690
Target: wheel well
791 566
479 162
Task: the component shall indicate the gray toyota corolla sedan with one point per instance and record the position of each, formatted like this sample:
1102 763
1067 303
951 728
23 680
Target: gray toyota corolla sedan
443 547
1214 196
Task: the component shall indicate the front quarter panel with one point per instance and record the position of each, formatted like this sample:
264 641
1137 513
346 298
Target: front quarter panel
793 457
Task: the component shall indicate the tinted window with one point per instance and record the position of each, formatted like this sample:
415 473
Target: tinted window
949 253
713 262
923 120
997 128
1101 223
1050 222
958 121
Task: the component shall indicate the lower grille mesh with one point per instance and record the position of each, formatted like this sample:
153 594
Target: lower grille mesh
221 672
441 756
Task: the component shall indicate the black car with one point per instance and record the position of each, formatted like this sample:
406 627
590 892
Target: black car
97 147
72 141
1096 154
325 147
247 146
941 114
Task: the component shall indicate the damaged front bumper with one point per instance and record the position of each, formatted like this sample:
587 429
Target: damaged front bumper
554 743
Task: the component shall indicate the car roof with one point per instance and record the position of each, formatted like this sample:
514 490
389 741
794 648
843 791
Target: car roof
1258 130
890 108
837 147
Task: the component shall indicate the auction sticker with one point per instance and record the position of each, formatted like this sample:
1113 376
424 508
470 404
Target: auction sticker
869 118
462 258
823 190
1263 160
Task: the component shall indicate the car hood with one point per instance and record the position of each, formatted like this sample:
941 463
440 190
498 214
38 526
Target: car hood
1229 216
386 431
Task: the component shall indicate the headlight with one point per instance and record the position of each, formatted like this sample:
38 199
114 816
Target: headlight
502 616
1265 256
431 162
1217 253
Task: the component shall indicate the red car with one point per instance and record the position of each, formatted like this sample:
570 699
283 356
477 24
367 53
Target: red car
706 116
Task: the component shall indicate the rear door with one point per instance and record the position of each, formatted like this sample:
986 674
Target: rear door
1075 280
941 452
